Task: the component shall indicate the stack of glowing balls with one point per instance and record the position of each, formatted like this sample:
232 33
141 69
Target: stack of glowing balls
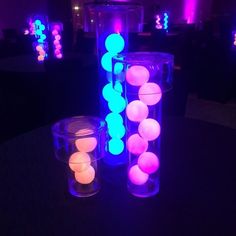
148 129
114 44
80 161
162 21
56 30
41 44
234 38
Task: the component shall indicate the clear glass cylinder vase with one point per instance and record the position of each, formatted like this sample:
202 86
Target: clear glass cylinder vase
146 76
112 21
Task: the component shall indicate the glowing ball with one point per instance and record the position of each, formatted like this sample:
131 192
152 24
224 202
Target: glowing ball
42 27
58 37
117 104
114 43
56 42
86 144
106 61
114 119
39 48
79 161
42 52
54 32
58 46
39 32
149 129
148 162
118 67
38 22
137 111
136 144
43 36
108 92
40 58
85 177
57 51
150 93
116 146
136 176
118 87
59 56
137 75
116 130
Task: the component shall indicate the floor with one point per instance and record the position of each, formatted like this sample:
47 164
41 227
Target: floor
210 111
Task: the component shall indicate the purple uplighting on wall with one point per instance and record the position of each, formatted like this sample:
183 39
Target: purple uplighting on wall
190 11
56 31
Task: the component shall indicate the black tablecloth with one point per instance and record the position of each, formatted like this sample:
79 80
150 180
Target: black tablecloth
197 194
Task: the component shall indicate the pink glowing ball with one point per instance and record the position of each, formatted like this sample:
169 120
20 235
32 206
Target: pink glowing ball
58 37
149 129
137 75
40 58
150 93
57 51
55 32
59 56
85 177
56 42
79 161
137 111
148 162
58 46
137 145
39 48
137 176
86 144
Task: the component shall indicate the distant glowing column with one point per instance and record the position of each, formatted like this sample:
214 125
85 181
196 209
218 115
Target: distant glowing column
56 34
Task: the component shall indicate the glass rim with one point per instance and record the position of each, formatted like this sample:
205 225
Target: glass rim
65 133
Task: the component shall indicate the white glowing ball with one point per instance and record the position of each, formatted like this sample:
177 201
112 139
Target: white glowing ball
150 93
79 161
137 176
137 75
137 111
148 162
85 177
86 144
136 144
149 129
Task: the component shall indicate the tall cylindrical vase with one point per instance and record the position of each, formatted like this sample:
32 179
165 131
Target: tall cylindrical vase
112 22
146 77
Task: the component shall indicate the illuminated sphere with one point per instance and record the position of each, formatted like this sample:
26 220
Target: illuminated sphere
59 56
40 58
58 46
42 27
150 93
114 43
137 75
114 119
38 22
116 146
39 48
116 130
56 42
108 92
118 68
39 32
137 111
136 144
106 61
118 87
57 51
137 176
117 104
58 37
79 161
54 32
42 52
148 162
43 36
86 144
149 129
85 177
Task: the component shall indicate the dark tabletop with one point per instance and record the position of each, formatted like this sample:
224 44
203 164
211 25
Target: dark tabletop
197 194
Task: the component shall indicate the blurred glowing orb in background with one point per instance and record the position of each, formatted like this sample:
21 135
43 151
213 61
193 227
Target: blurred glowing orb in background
137 111
148 162
137 75
150 93
79 161
137 176
136 144
149 129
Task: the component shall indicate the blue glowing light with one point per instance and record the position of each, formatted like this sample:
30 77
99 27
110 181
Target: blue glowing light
42 27
39 32
116 146
114 43
166 21
116 130
38 22
108 92
117 104
106 61
118 68
118 87
114 118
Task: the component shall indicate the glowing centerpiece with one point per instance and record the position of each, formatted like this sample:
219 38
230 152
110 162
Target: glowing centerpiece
56 36
112 22
80 143
146 76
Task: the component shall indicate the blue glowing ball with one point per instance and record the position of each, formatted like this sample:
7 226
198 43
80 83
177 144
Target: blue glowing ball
118 68
39 32
114 118
38 22
40 40
114 43
108 92
117 104
116 146
118 87
43 36
116 130
107 62
42 27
